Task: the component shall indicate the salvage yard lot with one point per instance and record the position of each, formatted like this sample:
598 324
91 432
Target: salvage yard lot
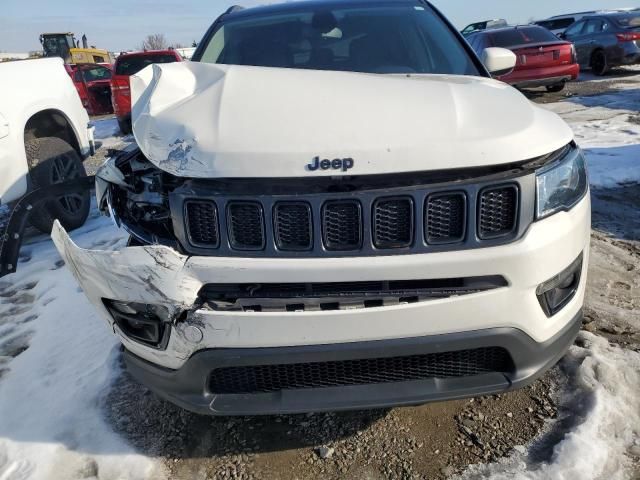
582 420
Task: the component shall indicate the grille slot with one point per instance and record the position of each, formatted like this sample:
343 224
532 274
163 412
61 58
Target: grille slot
393 222
292 226
245 222
342 225
445 218
274 378
498 212
202 223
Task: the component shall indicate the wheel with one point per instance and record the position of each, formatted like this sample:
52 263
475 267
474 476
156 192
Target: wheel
599 63
125 125
558 87
52 160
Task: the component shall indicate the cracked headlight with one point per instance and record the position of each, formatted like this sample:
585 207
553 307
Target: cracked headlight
561 184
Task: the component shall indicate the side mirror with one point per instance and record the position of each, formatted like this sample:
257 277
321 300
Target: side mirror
499 61
562 36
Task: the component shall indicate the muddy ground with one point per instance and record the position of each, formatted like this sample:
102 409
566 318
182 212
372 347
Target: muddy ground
432 441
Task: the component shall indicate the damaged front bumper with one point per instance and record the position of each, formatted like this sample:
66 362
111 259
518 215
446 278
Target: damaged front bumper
203 340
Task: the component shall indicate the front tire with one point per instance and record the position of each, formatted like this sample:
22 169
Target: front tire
599 64
125 126
52 160
558 87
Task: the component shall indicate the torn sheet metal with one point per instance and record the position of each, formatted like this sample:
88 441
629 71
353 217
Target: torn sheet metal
212 121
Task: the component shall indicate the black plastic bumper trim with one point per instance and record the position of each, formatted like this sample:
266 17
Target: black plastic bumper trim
187 387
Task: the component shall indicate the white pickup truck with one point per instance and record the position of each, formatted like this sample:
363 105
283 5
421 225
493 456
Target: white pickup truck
44 136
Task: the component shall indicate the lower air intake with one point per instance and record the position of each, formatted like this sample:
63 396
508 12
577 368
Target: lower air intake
274 378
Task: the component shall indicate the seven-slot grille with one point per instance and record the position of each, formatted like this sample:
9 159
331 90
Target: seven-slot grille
498 211
363 223
256 379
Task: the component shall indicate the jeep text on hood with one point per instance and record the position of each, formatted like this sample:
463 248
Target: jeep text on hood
335 207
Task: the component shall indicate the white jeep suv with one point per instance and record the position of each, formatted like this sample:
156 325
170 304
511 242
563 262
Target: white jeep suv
334 207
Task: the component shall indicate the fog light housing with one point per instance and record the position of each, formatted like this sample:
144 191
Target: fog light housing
556 293
142 323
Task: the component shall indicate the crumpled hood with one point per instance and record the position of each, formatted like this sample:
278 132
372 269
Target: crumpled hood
202 120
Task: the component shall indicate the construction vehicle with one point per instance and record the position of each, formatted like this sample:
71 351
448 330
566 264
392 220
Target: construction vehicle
65 46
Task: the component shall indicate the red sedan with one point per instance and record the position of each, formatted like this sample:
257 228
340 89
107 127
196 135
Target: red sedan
128 64
93 82
543 60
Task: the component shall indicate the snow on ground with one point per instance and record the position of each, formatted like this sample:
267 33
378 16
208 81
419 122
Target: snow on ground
607 127
106 133
602 399
51 420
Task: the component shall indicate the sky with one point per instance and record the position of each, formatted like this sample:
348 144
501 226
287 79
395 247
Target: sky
122 24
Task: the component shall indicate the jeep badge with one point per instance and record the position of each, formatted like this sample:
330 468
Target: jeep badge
343 164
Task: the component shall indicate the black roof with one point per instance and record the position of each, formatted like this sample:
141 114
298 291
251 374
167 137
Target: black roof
306 5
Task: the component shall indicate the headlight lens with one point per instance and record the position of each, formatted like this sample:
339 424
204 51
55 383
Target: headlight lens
561 184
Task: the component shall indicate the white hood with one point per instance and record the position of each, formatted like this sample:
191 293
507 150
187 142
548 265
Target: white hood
202 120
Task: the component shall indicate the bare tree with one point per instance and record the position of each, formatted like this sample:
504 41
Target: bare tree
157 41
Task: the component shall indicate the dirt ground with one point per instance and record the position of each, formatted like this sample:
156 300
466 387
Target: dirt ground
432 441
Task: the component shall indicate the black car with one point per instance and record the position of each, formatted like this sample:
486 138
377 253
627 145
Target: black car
606 40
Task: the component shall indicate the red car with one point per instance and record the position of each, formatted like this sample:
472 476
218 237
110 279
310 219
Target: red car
543 60
93 82
128 64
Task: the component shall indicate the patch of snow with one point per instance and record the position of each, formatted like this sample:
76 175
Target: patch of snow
613 166
51 420
607 378
603 127
107 133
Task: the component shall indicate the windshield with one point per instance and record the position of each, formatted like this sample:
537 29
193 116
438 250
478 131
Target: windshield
131 65
628 21
96 73
522 36
373 39
557 24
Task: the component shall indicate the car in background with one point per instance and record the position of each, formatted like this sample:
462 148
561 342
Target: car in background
559 23
484 25
128 64
606 40
93 83
543 60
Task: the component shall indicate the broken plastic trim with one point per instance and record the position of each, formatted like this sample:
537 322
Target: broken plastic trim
14 231
313 297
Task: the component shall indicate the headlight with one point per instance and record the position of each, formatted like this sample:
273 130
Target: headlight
561 184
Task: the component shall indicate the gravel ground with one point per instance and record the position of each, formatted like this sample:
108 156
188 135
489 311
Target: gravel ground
430 441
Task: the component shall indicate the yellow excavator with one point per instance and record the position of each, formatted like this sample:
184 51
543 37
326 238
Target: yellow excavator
65 46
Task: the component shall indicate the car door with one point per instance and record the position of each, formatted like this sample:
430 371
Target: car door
593 36
575 34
